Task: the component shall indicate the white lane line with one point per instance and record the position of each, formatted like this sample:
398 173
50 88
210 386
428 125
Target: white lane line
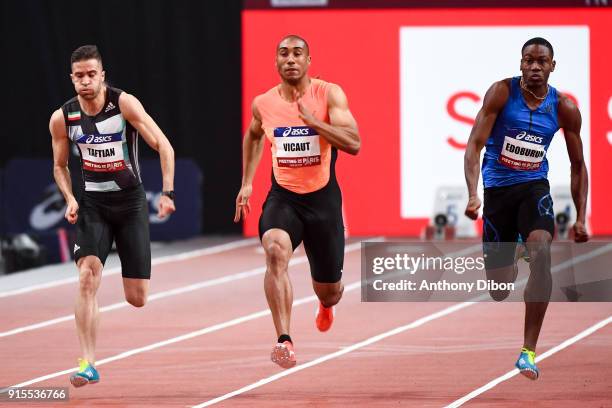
167 293
187 336
346 350
156 261
539 358
417 323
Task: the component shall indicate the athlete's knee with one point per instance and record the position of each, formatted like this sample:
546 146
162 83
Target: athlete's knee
276 254
87 279
136 291
540 237
137 298
330 295
502 275
137 301
331 299
538 243
87 283
499 295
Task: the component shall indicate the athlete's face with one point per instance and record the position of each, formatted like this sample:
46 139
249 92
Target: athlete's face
536 65
87 77
292 60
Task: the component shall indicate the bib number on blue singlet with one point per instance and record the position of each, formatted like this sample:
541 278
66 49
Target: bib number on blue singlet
522 150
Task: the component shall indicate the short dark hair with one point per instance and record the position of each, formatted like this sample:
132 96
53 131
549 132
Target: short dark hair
539 41
295 37
85 52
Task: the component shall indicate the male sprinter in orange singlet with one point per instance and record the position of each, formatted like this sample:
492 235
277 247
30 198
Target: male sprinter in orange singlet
306 120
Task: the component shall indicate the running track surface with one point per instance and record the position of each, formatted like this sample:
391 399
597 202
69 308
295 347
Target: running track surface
431 364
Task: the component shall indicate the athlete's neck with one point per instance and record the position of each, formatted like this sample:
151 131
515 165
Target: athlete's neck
92 107
534 92
287 90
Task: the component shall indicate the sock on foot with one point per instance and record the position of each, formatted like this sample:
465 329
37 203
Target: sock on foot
283 338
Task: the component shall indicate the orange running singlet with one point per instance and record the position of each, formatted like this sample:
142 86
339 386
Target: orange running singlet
301 159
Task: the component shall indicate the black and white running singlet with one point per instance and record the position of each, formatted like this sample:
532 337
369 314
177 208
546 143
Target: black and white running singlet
108 144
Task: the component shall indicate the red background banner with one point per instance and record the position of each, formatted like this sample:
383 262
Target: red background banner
359 50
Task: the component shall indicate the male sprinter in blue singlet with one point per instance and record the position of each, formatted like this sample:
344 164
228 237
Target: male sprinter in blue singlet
104 123
517 122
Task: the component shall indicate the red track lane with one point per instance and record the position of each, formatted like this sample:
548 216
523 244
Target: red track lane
54 302
129 328
429 366
578 376
433 365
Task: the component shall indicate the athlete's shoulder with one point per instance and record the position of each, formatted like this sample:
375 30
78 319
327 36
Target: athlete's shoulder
130 107
567 111
268 97
328 91
325 87
125 100
497 95
503 86
57 116
71 106
565 102
321 83
58 123
121 94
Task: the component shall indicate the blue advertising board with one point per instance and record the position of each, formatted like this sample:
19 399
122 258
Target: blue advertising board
32 203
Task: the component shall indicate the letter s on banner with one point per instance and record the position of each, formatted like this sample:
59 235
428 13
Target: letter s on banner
452 111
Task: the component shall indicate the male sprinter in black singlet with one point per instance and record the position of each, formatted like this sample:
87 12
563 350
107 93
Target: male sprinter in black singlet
104 123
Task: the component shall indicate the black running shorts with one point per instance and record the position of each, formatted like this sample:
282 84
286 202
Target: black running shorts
122 216
313 218
512 210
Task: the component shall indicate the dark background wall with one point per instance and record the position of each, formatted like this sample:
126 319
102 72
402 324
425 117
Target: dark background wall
181 58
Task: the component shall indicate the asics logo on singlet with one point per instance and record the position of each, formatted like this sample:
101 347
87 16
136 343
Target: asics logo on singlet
529 138
301 131
99 139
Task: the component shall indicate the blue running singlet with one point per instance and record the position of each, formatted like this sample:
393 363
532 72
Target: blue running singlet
516 149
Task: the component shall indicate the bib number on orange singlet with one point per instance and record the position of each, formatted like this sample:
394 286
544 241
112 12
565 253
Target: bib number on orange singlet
297 146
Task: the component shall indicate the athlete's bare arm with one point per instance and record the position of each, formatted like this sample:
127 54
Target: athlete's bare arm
61 151
252 148
134 112
494 102
342 131
571 121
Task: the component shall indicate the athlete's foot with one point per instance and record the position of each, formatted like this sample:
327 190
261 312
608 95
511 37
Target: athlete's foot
526 364
87 374
283 354
325 317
